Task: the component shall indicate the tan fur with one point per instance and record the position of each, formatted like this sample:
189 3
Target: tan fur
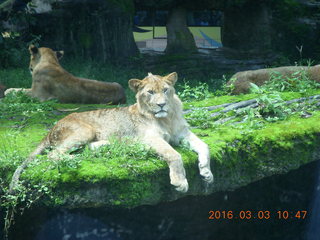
242 80
155 120
51 81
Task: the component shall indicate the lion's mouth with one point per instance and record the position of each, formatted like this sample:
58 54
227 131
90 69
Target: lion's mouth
161 113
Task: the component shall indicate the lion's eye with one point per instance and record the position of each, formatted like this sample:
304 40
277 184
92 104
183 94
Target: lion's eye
165 90
151 92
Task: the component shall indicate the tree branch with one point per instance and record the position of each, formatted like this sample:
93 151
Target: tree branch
252 103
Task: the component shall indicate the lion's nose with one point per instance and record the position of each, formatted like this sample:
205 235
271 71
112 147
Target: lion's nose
161 104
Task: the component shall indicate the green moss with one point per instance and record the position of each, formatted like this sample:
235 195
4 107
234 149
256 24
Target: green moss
131 177
219 100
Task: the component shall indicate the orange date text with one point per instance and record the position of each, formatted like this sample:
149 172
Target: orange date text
258 214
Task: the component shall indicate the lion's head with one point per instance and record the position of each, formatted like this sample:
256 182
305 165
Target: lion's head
38 54
155 94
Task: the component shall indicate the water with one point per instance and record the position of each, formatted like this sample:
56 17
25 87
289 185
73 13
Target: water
313 231
187 218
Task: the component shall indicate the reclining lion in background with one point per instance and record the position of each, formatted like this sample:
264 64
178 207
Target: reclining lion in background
51 81
155 120
242 80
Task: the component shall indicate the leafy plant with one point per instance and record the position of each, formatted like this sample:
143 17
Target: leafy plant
227 89
20 102
199 92
24 197
270 107
200 118
299 81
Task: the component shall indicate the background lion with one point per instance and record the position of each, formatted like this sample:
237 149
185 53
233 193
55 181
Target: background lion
51 81
242 80
155 120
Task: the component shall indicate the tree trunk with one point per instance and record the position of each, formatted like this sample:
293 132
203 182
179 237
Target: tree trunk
247 27
179 37
99 30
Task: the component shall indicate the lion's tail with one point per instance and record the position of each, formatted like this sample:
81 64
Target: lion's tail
15 178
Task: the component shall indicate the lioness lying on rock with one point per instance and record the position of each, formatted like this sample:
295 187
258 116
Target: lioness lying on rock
242 80
51 81
156 120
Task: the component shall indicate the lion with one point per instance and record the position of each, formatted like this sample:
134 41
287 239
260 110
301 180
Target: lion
156 119
51 81
242 80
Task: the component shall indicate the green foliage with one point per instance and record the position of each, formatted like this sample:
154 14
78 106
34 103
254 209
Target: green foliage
15 39
196 93
271 106
226 89
18 97
24 196
13 46
19 102
16 77
299 81
126 149
200 118
292 33
11 53
127 152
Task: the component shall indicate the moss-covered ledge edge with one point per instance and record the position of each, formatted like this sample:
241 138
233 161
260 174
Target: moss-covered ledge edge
238 157
234 164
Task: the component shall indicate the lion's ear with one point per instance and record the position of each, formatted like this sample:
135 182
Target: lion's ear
134 84
59 54
172 78
33 49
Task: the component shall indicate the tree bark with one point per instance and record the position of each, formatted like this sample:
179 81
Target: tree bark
99 30
247 27
179 37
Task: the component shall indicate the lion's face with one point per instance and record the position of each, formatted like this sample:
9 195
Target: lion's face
36 54
155 93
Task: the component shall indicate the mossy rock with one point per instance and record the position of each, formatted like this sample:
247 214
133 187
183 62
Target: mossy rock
107 178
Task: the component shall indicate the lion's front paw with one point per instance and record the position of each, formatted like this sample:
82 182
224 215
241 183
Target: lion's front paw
207 175
181 186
